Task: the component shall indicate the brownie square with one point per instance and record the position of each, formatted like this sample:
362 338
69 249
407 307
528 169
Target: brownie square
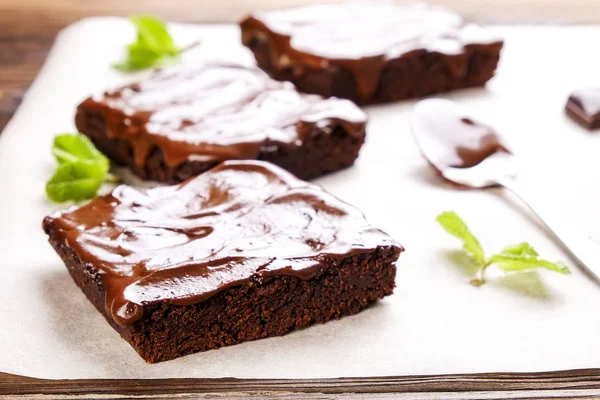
372 52
184 120
242 252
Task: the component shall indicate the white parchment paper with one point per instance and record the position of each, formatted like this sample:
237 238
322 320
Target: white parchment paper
434 323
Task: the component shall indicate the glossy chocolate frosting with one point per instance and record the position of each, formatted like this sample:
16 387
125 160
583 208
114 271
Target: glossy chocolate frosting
449 137
216 112
584 107
362 36
185 243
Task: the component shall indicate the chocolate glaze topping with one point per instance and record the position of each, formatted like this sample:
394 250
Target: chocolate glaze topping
241 220
584 107
361 37
449 138
216 112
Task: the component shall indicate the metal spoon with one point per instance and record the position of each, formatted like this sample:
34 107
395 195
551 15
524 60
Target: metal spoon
440 136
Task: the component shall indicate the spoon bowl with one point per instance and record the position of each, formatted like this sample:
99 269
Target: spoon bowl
492 171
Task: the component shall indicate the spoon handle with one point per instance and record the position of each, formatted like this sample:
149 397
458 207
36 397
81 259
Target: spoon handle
585 251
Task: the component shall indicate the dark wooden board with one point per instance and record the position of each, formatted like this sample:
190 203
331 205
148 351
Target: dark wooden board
9 101
574 384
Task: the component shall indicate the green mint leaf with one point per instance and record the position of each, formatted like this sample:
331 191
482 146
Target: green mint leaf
455 226
520 262
154 46
75 147
81 170
520 249
153 33
140 57
76 180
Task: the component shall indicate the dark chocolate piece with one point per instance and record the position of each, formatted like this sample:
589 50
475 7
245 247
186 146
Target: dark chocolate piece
452 139
371 52
583 107
184 120
185 253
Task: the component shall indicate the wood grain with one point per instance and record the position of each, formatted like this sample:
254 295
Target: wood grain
9 101
574 384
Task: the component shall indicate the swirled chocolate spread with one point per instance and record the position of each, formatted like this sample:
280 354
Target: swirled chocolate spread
448 137
183 244
583 107
363 36
195 116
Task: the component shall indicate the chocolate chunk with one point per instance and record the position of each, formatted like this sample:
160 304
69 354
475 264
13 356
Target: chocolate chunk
583 106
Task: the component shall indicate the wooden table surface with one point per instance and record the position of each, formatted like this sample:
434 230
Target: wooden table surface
27 30
576 384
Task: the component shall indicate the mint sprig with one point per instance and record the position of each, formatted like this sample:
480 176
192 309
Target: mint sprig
81 169
455 226
516 257
69 147
154 46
